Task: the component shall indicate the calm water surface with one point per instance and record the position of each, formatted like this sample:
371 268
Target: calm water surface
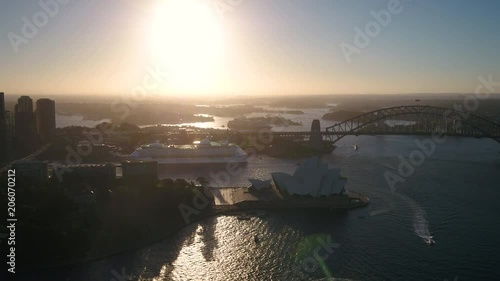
452 196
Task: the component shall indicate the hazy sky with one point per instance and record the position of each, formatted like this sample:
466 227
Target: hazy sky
252 47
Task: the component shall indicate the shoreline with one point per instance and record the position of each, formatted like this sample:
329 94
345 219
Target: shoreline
215 211
123 251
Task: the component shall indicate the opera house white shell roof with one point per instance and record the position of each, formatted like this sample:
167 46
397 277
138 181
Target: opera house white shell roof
311 178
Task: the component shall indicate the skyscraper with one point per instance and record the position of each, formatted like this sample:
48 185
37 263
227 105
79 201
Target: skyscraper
3 130
10 122
46 119
25 125
9 125
2 105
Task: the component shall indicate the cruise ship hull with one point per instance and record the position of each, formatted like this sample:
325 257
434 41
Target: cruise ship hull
198 160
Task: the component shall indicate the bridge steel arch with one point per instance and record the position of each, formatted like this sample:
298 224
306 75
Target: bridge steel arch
481 127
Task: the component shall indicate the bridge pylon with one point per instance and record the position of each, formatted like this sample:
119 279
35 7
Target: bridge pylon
316 138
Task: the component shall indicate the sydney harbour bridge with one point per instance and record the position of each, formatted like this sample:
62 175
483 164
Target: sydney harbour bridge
421 120
410 120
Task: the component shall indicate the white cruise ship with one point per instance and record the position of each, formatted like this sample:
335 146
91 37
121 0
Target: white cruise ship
204 152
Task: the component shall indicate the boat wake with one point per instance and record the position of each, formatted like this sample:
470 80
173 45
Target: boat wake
420 223
379 212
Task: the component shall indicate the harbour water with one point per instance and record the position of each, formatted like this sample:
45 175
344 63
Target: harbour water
453 196
218 123
76 120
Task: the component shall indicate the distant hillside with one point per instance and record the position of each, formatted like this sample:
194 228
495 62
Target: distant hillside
341 115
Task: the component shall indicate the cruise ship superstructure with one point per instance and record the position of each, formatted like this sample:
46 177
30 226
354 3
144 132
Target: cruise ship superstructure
204 152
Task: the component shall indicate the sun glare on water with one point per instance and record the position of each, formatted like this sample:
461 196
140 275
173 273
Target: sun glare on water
188 40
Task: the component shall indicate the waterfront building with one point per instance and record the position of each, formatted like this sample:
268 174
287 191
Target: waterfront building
311 178
312 186
99 174
140 171
45 119
31 171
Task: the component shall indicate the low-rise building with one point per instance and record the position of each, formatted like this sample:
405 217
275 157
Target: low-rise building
31 171
88 173
140 171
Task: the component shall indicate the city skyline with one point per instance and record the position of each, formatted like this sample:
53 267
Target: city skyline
202 48
26 127
250 139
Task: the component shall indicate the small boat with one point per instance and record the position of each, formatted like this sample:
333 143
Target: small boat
355 147
430 241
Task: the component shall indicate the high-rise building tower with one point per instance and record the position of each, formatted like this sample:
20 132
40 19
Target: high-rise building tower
9 125
10 121
25 125
3 130
25 104
2 105
46 119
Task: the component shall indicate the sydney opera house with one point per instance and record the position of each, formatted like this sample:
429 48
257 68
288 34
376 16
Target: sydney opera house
311 178
312 186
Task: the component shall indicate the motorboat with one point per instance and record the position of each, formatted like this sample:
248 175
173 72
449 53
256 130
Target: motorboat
430 241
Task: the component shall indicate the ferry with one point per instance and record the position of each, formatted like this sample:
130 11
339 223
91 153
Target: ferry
203 152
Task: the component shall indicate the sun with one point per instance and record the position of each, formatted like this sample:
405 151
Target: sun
188 40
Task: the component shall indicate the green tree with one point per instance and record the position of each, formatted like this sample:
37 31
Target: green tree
202 181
